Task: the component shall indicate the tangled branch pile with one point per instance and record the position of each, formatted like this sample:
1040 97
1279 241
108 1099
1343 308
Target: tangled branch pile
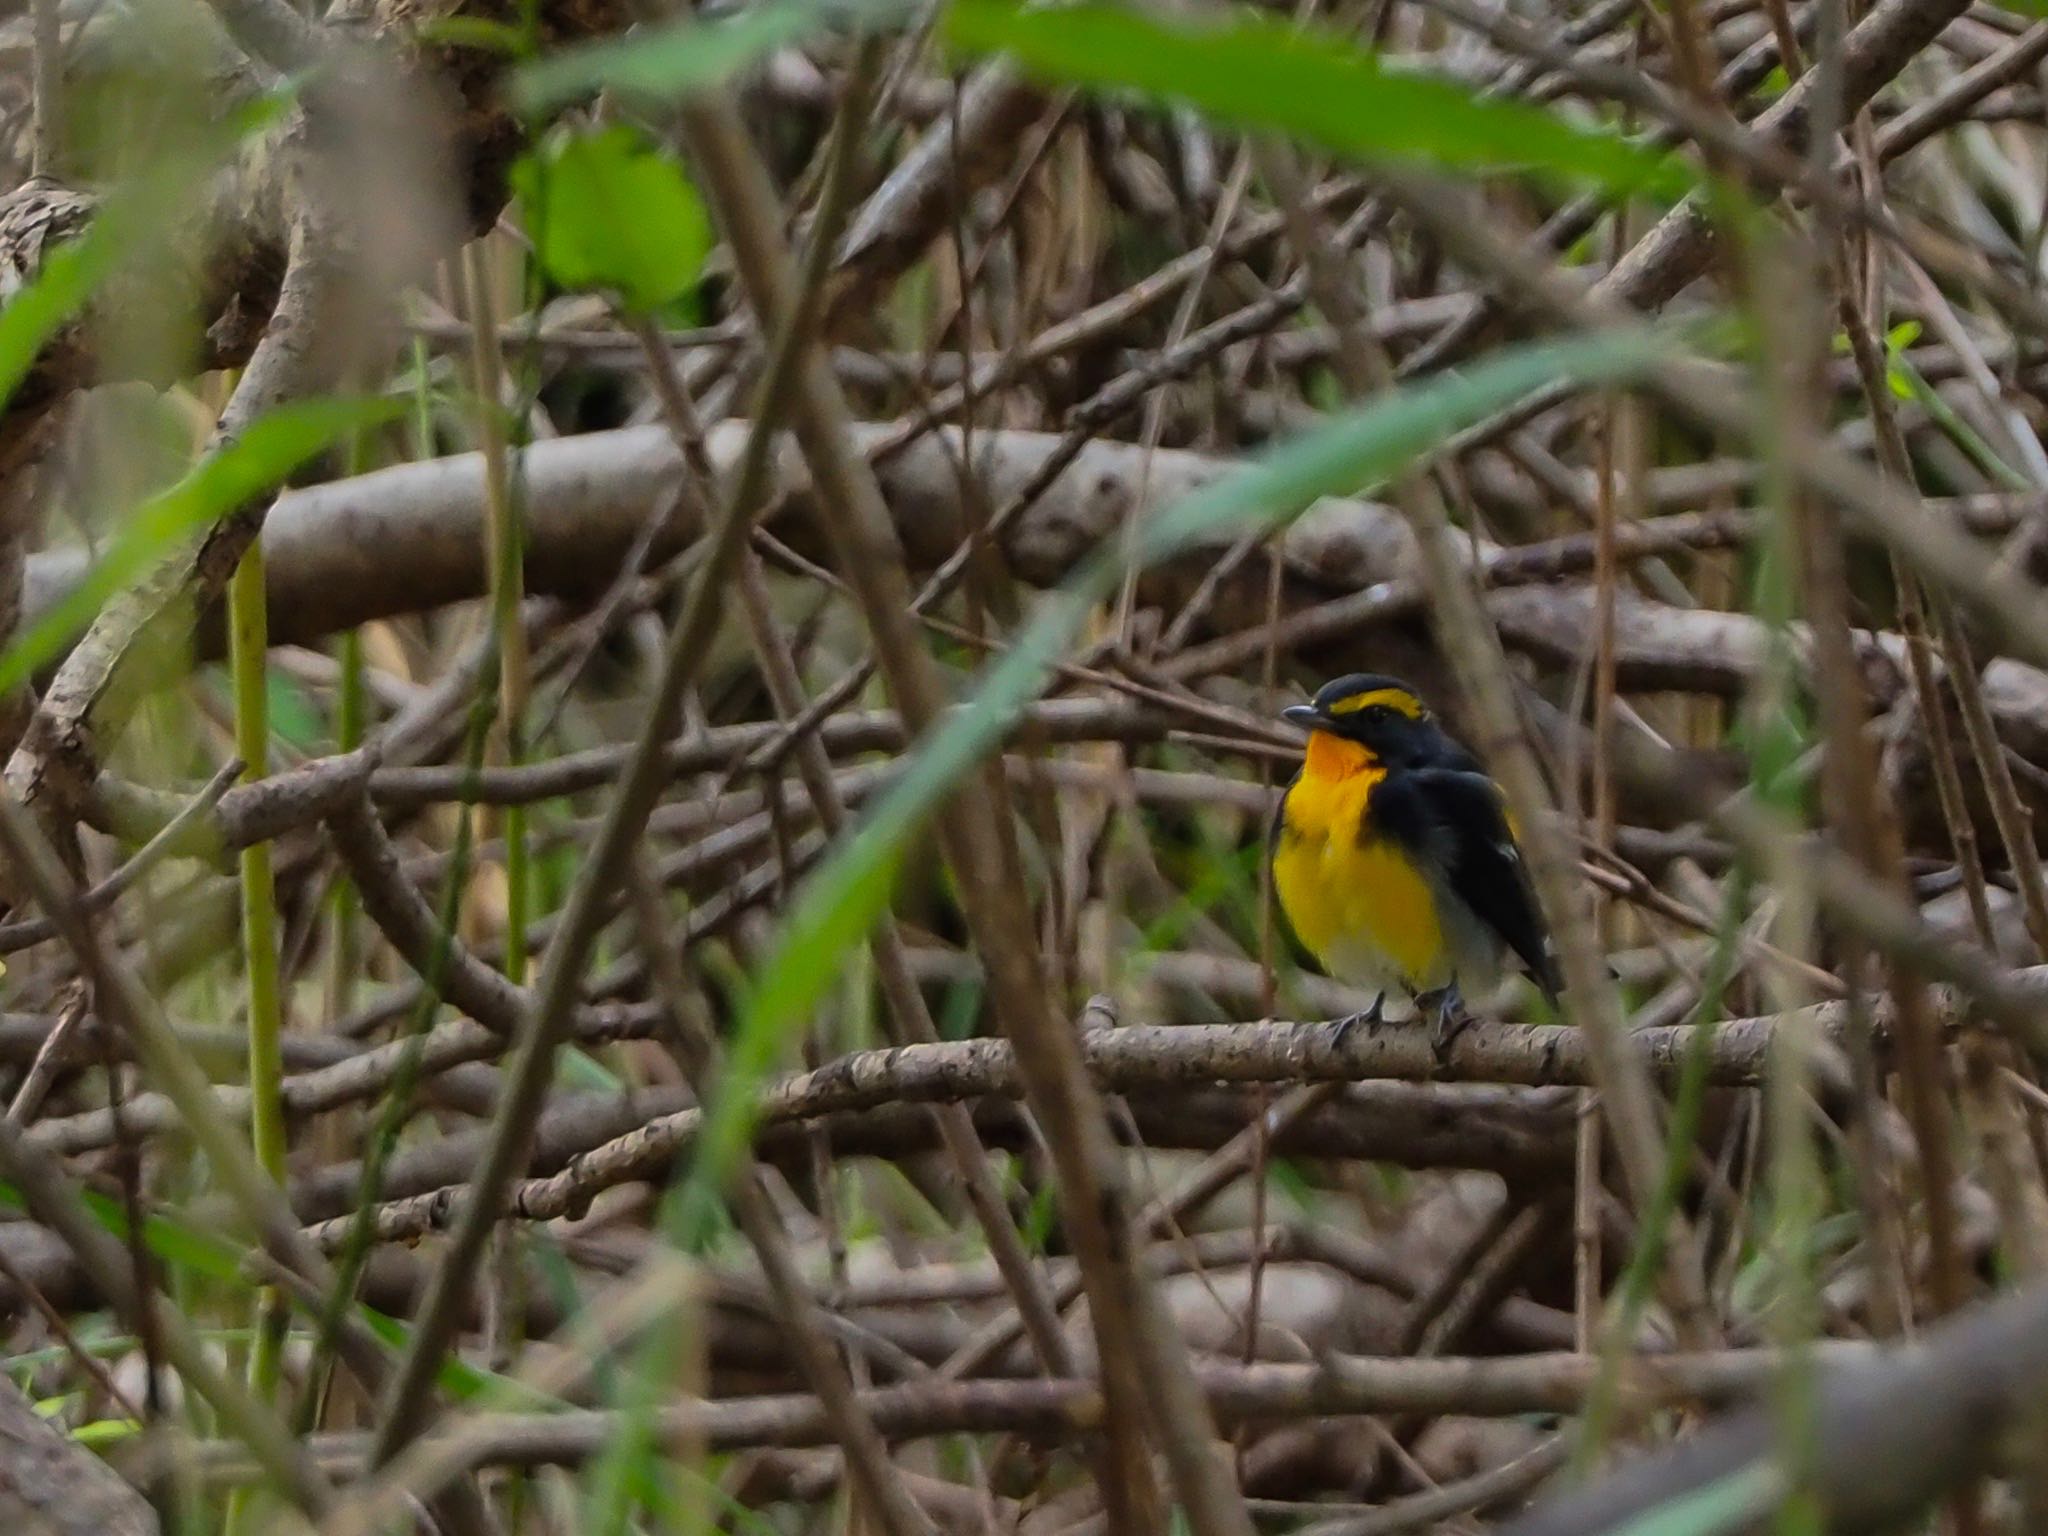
641 663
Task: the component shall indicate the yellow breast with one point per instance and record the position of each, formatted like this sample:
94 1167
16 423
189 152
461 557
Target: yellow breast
1358 903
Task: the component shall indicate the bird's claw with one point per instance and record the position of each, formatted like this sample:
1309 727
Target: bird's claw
1351 1021
1448 1019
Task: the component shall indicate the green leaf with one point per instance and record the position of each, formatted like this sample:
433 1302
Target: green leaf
1731 1503
252 465
480 33
608 210
1369 445
178 1245
105 1432
1260 72
660 65
293 716
59 291
836 906
462 1381
120 228
196 1251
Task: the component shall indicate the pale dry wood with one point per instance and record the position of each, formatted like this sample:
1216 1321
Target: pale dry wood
50 1485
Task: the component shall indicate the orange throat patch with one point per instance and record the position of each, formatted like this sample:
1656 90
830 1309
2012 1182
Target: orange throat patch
1332 757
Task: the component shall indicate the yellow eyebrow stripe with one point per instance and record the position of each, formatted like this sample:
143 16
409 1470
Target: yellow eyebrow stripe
1398 699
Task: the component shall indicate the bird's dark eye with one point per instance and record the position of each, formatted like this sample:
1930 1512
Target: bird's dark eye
1378 713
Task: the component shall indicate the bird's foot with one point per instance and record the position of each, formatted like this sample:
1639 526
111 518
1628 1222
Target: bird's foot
1351 1021
1447 1019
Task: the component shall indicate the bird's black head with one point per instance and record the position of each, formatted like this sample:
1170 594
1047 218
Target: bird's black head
1382 714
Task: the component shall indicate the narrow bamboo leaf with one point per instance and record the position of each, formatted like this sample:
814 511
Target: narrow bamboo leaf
181 1246
251 466
1262 72
480 33
667 63
196 1251
58 293
71 272
1732 1503
101 1433
838 904
462 1381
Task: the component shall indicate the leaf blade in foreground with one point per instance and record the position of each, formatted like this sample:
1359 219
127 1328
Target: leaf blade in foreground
660 65
1261 73
253 464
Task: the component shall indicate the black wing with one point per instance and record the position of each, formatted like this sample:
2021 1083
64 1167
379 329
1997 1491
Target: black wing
1277 822
1462 822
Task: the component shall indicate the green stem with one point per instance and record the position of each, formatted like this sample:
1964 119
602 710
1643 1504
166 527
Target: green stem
248 644
422 419
351 723
518 888
503 549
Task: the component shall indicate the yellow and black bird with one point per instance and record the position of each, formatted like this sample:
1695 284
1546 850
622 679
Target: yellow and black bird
1394 855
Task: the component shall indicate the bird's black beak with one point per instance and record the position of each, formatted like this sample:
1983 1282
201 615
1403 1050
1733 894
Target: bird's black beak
1307 716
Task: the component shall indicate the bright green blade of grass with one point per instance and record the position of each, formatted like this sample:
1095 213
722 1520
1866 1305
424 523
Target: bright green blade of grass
837 905
1260 72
